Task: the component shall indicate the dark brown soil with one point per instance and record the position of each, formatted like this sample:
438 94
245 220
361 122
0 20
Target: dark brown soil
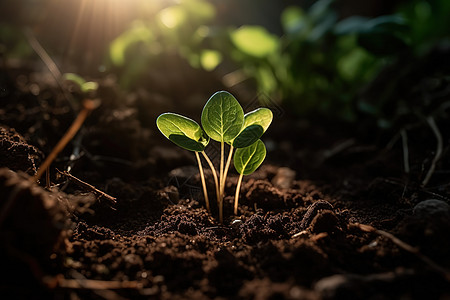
297 234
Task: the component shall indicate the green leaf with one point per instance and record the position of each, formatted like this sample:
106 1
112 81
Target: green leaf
222 117
172 16
89 86
75 78
254 40
138 33
255 124
293 19
183 131
248 159
209 59
85 86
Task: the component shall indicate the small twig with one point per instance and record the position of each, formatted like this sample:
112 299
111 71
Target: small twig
49 63
439 148
102 288
405 150
88 106
89 187
91 284
337 149
406 247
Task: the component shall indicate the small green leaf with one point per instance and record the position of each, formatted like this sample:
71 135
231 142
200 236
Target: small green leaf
183 131
75 78
209 59
222 117
248 159
254 40
138 33
89 86
85 86
293 19
255 124
173 16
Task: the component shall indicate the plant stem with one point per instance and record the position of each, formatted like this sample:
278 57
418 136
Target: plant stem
227 167
439 147
238 189
220 201
222 154
213 170
88 106
202 176
405 150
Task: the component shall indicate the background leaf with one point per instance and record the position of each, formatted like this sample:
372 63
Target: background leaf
248 159
183 131
254 40
222 117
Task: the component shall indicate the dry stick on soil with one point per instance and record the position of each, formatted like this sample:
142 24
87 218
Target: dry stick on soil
89 187
405 150
103 289
49 63
88 106
202 176
406 247
97 284
439 147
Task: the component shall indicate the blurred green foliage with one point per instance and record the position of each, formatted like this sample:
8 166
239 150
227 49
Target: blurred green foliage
13 43
322 62
319 63
179 28
313 67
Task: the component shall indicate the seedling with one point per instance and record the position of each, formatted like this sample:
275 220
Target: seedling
246 161
224 121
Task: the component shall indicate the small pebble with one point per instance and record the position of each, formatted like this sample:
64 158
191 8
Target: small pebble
284 178
431 208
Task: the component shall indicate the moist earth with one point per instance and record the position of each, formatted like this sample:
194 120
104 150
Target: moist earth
301 230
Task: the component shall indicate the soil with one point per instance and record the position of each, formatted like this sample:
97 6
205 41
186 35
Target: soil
300 232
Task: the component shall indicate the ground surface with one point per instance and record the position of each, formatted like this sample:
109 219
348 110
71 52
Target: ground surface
297 234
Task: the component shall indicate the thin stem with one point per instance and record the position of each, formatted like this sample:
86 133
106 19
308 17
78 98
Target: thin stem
405 150
227 167
88 106
50 64
236 197
213 170
222 154
220 201
202 176
439 146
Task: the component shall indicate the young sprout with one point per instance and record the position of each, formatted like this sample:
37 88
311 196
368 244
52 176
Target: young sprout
85 86
223 120
246 161
255 124
187 134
